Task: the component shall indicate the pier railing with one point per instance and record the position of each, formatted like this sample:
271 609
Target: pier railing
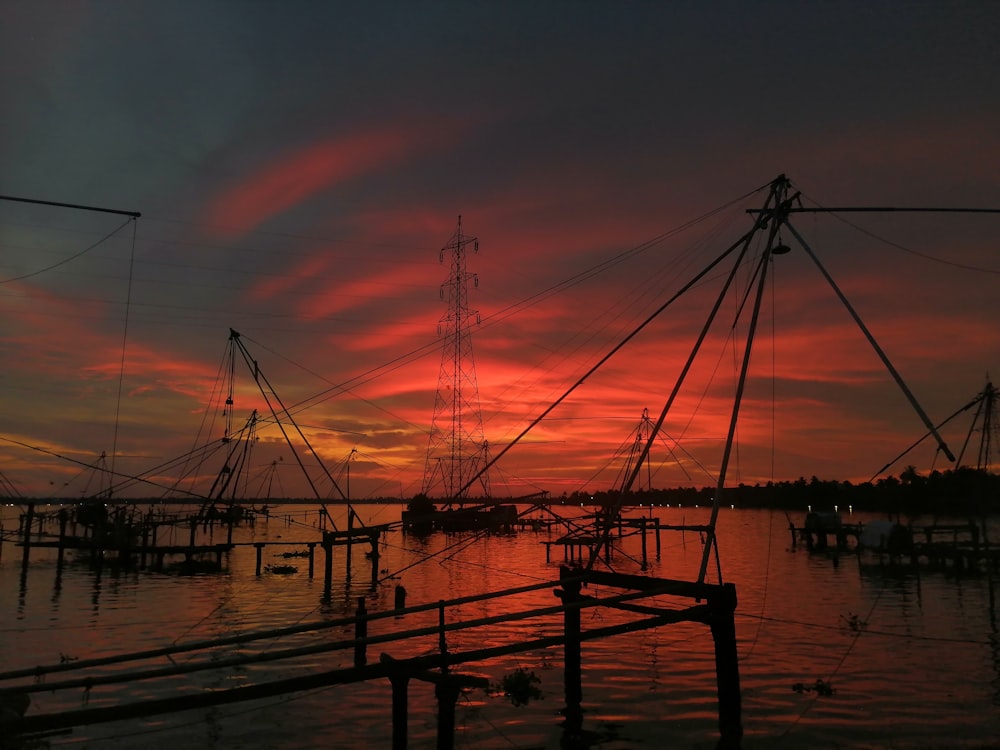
643 603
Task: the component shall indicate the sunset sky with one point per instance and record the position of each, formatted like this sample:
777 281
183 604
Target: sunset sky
299 166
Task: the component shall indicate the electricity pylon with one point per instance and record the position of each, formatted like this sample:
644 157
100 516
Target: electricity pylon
456 448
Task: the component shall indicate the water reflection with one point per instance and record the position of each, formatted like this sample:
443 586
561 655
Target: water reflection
919 666
57 586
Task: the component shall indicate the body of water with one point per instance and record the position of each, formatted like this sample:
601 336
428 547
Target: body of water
911 657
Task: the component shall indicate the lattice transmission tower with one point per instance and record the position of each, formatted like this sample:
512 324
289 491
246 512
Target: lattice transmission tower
457 448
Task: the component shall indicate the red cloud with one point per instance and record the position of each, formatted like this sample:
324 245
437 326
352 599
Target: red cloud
361 291
305 270
302 174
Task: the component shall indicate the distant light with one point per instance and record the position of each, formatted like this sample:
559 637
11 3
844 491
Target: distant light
850 508
809 508
834 508
732 507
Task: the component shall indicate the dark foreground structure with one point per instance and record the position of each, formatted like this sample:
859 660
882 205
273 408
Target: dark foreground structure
640 602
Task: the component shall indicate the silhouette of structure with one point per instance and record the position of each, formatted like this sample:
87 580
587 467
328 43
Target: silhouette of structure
985 420
456 448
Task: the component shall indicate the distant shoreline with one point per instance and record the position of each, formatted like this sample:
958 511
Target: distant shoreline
954 492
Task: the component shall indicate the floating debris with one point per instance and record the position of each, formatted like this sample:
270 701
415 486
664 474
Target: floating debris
820 687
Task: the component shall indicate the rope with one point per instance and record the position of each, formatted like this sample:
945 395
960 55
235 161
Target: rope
121 369
63 262
925 256
850 648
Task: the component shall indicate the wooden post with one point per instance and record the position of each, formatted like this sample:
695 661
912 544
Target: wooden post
373 540
123 537
727 668
447 694
312 557
442 643
573 678
350 538
28 519
145 547
62 538
327 564
360 633
400 710
642 523
260 552
656 522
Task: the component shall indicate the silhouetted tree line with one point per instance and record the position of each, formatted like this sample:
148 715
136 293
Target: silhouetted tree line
950 492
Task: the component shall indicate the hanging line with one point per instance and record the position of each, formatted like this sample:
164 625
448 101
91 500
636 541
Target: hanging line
64 261
121 369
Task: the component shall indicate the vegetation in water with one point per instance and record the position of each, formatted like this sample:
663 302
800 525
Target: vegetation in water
521 686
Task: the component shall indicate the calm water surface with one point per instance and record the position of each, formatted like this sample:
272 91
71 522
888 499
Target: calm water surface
913 657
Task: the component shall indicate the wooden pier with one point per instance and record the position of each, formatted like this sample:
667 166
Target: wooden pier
480 517
120 535
583 536
642 603
127 539
960 548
